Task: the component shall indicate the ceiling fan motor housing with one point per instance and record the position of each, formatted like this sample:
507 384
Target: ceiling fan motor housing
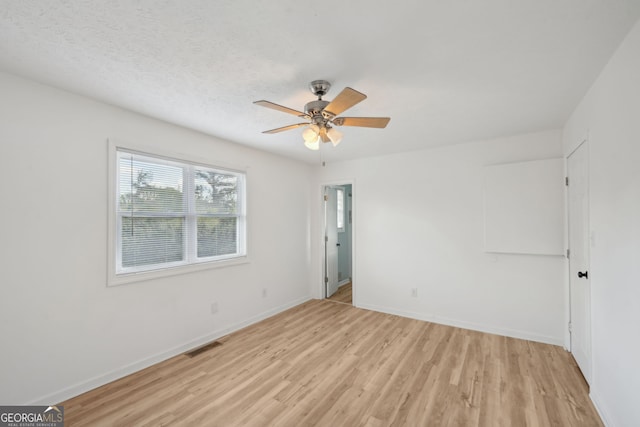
314 109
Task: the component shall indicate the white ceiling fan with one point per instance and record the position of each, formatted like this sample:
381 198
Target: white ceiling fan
322 115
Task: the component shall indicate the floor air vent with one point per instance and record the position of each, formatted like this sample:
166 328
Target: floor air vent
204 348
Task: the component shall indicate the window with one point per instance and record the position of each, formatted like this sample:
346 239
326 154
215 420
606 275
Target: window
171 213
340 209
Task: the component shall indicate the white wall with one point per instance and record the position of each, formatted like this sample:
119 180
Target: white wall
418 223
609 114
62 330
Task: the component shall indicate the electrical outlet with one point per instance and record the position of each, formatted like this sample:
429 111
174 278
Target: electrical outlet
264 292
414 292
214 307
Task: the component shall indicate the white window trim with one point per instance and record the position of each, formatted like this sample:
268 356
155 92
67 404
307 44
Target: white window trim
115 279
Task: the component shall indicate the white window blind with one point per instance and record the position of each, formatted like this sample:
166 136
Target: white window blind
171 213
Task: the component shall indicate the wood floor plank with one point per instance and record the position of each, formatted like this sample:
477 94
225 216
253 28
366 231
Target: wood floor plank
327 364
344 294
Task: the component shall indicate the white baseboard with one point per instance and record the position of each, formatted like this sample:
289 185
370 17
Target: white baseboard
344 282
428 317
100 380
600 409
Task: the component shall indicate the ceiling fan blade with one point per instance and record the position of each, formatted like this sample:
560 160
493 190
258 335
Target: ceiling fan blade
282 129
367 122
323 135
282 108
345 99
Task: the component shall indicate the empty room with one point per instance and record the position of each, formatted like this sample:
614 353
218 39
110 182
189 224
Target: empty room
243 213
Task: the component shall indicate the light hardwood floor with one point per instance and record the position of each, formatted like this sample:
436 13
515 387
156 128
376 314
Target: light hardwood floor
343 295
330 364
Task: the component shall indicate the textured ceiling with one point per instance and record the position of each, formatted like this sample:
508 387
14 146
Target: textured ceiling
444 71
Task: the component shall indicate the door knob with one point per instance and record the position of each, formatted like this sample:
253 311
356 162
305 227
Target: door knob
585 274
337 244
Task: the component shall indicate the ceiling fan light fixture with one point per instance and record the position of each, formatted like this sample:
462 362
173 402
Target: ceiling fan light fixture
313 145
335 136
311 137
311 133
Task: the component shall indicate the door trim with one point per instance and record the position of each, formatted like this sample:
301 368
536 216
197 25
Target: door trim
321 229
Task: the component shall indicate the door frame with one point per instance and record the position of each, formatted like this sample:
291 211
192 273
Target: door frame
583 143
321 230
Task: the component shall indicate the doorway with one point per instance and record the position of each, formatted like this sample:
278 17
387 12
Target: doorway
579 280
338 243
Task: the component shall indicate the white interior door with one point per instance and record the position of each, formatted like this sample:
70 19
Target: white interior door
579 280
331 241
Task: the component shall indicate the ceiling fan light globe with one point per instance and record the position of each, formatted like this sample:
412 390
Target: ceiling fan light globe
311 133
313 145
335 136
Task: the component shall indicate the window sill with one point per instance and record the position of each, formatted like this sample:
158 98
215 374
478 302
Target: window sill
126 278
